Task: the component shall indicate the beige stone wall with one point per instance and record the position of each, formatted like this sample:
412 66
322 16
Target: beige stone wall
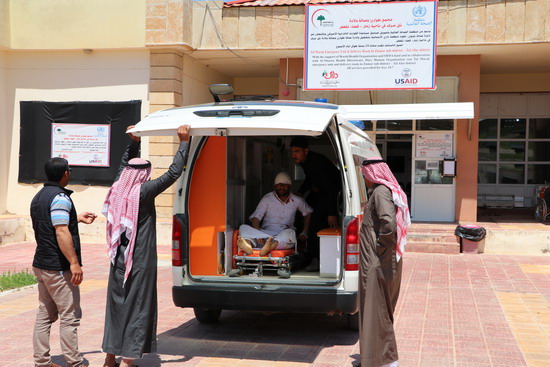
77 24
168 22
278 27
165 91
493 21
207 25
175 80
61 76
460 22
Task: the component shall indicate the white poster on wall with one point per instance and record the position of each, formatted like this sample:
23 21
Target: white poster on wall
434 145
377 45
82 144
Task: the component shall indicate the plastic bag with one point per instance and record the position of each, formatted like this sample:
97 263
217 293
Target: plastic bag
471 232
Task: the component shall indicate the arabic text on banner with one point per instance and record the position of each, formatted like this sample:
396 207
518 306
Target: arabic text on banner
378 45
82 144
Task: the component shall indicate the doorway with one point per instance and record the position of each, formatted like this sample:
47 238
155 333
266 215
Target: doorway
430 194
396 149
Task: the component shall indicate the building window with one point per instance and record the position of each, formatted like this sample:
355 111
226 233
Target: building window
435 125
514 151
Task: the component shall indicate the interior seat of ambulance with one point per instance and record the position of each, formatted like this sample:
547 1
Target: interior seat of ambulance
252 162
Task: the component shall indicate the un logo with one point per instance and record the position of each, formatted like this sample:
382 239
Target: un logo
419 11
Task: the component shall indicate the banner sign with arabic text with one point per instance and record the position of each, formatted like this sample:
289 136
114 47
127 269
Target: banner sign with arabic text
82 144
377 45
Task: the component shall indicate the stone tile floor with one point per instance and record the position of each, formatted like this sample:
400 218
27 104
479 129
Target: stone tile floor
454 310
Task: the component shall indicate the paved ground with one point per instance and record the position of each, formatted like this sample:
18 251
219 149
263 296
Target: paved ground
454 310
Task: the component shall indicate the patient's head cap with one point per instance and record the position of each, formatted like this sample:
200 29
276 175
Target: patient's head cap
283 178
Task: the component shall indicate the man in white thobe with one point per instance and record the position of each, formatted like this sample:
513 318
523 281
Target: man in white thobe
273 220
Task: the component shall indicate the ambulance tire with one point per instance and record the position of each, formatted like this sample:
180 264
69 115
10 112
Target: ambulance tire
206 315
353 321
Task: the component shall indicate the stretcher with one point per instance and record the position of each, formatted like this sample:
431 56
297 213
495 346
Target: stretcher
280 261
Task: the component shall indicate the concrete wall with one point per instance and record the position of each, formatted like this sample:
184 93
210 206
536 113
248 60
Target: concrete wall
506 83
468 69
493 21
256 86
5 138
247 27
460 22
77 24
196 79
67 76
4 24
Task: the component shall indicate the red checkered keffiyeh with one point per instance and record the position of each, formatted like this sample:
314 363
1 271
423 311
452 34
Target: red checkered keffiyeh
121 209
381 174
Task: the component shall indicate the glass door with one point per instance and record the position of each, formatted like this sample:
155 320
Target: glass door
433 194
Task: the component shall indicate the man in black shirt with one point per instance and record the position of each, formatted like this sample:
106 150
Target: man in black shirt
323 182
57 265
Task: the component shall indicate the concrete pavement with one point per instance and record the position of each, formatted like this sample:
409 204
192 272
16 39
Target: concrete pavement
454 310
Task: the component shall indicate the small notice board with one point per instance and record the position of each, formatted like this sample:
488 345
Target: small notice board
82 144
434 145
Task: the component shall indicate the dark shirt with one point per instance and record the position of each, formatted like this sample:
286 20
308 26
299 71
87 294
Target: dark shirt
48 255
323 181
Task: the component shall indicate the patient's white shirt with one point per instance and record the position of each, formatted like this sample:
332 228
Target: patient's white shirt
277 215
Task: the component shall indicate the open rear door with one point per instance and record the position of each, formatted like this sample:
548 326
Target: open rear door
207 208
208 178
241 119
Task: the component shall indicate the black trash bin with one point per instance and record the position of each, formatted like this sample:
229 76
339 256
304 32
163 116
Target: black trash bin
471 238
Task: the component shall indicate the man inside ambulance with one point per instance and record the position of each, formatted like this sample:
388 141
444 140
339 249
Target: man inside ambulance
322 183
273 220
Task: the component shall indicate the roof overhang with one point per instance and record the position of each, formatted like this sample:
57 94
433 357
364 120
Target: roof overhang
418 111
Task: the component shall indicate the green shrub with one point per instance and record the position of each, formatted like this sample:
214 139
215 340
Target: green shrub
14 280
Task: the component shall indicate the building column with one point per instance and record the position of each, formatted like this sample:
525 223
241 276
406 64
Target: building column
165 91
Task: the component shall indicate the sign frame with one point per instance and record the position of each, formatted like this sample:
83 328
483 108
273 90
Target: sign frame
101 158
354 55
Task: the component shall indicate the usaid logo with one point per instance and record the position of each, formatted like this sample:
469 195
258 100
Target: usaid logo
406 80
95 159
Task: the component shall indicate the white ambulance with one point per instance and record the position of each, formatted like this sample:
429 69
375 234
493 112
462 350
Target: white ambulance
236 150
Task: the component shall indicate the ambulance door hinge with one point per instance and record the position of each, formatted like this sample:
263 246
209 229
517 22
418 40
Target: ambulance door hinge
221 132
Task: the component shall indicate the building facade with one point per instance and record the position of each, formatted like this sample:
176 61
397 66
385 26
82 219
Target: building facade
166 52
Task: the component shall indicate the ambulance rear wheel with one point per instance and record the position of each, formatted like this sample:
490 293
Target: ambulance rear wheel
207 315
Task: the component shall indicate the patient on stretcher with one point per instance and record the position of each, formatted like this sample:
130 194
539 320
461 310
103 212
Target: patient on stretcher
273 220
